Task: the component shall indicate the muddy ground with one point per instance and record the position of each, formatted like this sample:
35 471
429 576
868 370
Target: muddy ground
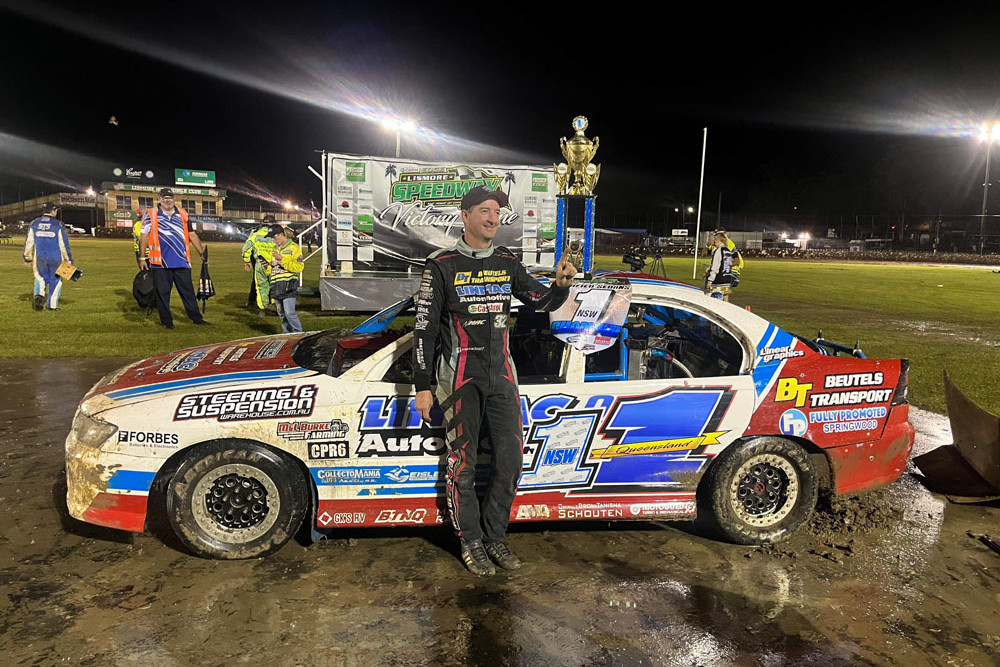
891 578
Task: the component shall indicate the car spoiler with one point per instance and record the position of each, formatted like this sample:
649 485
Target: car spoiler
831 349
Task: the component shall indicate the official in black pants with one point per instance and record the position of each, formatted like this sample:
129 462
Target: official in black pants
165 279
166 240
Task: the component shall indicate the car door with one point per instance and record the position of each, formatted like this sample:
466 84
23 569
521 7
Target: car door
650 412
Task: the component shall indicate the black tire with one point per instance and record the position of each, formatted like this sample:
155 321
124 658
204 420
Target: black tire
258 500
760 491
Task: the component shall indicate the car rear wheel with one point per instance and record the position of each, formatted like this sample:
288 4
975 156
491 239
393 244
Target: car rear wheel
234 499
761 491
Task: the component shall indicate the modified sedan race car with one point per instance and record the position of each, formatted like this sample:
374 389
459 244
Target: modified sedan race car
641 399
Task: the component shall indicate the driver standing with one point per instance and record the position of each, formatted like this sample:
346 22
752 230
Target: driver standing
465 294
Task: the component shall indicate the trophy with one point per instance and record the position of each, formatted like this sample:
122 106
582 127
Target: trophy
578 152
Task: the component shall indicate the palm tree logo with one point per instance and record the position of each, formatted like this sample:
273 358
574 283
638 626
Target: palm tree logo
390 173
510 180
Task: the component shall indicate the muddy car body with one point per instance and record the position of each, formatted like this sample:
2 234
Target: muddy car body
696 406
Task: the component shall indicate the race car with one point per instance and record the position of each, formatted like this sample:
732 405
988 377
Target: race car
641 399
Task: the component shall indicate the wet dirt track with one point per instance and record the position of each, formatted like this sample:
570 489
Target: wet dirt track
891 578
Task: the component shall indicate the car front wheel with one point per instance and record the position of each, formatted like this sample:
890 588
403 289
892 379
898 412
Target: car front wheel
234 499
761 491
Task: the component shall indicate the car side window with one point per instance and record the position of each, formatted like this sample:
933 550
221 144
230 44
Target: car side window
537 354
662 342
401 370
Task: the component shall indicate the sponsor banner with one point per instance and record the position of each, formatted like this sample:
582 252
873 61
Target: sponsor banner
303 430
194 177
148 439
269 350
414 205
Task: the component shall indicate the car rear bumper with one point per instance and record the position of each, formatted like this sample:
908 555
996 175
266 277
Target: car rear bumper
870 465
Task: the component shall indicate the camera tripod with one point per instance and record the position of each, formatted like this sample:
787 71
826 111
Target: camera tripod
657 266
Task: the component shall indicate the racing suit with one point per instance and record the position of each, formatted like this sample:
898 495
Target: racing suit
465 295
257 251
45 247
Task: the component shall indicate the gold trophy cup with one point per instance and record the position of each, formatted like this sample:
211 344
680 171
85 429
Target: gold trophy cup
578 153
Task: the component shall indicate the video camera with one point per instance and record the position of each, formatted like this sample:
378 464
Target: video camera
635 257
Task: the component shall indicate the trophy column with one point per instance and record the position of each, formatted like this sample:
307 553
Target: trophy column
576 179
575 231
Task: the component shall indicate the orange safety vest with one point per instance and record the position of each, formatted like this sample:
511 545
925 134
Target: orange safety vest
153 245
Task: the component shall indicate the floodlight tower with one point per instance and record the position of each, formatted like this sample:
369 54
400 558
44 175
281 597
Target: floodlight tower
989 133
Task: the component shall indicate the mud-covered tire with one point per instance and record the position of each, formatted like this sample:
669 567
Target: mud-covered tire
235 499
760 491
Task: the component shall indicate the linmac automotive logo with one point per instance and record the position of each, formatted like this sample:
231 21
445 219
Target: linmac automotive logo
443 186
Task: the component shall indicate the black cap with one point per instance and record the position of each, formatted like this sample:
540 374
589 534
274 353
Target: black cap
49 206
166 192
482 193
269 219
276 229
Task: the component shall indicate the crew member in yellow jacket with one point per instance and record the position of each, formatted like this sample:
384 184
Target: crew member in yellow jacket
257 258
286 265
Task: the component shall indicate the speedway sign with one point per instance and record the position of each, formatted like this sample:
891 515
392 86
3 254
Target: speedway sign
392 213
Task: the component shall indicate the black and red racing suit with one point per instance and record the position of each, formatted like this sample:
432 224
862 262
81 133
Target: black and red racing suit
465 296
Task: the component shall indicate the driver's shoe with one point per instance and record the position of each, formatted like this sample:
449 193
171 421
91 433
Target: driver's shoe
476 560
501 554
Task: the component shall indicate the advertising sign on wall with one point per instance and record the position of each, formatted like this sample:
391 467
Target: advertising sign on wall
402 210
194 177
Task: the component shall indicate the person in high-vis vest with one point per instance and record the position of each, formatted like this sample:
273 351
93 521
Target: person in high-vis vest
136 234
257 258
45 248
167 239
286 265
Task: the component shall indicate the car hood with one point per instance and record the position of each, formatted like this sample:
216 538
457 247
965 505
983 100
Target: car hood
216 365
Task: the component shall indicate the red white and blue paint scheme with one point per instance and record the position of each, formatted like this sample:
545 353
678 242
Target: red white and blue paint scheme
687 406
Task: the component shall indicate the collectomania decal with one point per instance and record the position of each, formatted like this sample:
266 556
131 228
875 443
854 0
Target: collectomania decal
185 362
270 403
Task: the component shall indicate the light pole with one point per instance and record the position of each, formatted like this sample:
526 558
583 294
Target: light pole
398 126
989 133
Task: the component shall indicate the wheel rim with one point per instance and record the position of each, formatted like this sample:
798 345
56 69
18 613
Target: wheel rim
235 503
764 490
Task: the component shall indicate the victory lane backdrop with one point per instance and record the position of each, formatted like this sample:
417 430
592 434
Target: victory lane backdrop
946 320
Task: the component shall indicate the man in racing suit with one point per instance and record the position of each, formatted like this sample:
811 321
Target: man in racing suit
465 294
45 248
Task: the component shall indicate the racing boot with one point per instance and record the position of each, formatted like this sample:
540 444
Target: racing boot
39 302
501 554
476 560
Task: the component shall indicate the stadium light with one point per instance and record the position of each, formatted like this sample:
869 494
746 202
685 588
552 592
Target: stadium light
399 126
988 133
90 191
287 205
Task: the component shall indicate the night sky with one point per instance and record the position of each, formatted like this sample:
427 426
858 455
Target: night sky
807 109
